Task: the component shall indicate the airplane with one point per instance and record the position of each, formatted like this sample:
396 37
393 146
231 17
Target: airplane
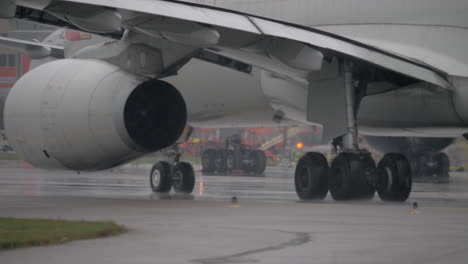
388 68
423 153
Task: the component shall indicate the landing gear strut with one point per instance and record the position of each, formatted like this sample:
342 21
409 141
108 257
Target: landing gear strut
352 173
175 174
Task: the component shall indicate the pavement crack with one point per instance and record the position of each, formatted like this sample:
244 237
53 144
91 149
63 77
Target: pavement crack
300 238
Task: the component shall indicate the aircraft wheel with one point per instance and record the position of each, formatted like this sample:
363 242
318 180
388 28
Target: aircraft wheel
394 179
160 177
364 189
433 165
443 165
208 160
311 176
184 178
417 166
351 175
259 161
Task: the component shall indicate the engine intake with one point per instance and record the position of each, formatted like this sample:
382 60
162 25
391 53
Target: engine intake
90 115
155 118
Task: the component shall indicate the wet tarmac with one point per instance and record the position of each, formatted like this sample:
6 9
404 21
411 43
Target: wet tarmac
269 226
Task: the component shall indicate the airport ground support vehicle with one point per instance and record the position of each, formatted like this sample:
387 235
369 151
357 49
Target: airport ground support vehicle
233 156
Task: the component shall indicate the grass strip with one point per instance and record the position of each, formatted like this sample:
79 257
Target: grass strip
18 233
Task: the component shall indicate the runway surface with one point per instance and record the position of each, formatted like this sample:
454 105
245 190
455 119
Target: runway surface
270 226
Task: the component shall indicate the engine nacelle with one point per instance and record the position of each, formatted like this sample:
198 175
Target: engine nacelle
90 115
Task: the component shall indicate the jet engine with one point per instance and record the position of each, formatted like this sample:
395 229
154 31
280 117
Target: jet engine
90 115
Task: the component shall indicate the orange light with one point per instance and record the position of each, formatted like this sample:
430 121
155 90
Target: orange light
299 145
202 187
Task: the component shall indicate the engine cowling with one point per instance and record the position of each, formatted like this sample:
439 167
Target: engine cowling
90 115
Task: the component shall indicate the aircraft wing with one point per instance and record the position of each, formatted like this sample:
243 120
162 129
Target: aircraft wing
146 14
32 48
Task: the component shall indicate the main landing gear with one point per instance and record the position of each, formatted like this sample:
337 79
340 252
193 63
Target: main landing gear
175 174
353 173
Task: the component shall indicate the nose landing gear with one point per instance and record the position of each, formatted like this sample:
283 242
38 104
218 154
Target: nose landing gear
160 177
175 174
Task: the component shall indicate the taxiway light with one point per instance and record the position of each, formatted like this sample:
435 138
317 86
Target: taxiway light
234 202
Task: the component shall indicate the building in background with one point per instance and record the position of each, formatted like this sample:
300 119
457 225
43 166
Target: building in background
14 64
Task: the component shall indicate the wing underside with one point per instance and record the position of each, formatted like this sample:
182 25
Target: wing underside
259 26
247 38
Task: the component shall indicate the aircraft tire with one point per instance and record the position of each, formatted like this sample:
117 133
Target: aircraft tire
394 179
348 176
311 176
417 165
443 167
184 178
160 177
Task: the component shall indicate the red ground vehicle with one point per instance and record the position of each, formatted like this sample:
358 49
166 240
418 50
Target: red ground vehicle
274 143
234 156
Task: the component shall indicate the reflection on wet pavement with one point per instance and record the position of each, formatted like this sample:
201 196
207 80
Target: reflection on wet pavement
276 185
173 229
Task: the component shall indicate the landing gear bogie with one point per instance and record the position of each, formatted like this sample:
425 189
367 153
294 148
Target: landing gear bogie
352 173
164 176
